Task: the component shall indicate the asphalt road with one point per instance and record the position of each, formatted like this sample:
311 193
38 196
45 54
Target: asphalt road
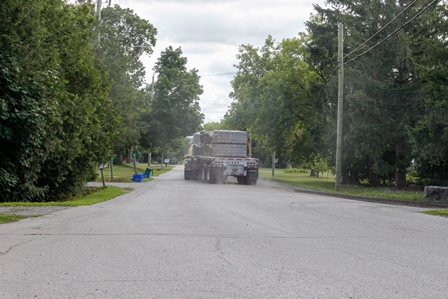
171 238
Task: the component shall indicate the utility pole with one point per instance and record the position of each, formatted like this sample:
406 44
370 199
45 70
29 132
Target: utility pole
149 104
98 10
340 107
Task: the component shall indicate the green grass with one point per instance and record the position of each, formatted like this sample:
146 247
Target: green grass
327 184
123 173
93 196
437 212
101 195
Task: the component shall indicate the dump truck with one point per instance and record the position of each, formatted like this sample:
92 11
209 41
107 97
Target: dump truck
216 155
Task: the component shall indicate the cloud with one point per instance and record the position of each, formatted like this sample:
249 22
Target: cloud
210 32
226 22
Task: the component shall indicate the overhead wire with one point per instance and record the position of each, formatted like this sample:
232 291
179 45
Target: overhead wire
393 33
384 39
379 31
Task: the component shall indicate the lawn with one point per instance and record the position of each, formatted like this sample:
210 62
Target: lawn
123 173
443 213
326 183
92 195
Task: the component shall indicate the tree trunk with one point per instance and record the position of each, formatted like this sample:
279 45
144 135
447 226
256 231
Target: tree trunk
400 168
353 176
373 179
373 173
128 154
118 159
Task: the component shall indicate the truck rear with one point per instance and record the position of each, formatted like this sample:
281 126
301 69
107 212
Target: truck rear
219 154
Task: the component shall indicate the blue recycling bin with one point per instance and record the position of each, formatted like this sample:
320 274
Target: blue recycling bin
137 178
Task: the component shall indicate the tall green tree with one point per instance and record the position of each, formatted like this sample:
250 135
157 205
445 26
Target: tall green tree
383 86
253 64
175 111
86 131
429 134
123 38
272 100
52 100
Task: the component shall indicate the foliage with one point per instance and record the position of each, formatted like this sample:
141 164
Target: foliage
175 111
53 100
384 88
271 98
395 108
429 134
214 125
123 38
177 149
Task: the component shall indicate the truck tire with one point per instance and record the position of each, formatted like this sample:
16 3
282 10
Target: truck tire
251 181
186 175
204 174
211 176
220 178
242 180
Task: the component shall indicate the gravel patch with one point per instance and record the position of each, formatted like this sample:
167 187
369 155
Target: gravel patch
27 211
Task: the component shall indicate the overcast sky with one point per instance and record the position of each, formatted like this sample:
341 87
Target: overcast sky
210 32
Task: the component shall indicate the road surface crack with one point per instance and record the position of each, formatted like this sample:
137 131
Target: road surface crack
2 253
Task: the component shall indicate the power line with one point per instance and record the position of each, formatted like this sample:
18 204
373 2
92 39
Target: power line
384 27
393 33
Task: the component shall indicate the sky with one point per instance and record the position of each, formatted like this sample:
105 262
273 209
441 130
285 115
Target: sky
210 32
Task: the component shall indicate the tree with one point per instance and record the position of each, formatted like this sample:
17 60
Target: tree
123 38
86 133
429 134
53 98
175 110
272 99
214 125
383 89
253 65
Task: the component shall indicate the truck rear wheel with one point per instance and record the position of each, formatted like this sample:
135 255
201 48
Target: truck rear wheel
220 178
242 180
251 181
204 174
211 176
